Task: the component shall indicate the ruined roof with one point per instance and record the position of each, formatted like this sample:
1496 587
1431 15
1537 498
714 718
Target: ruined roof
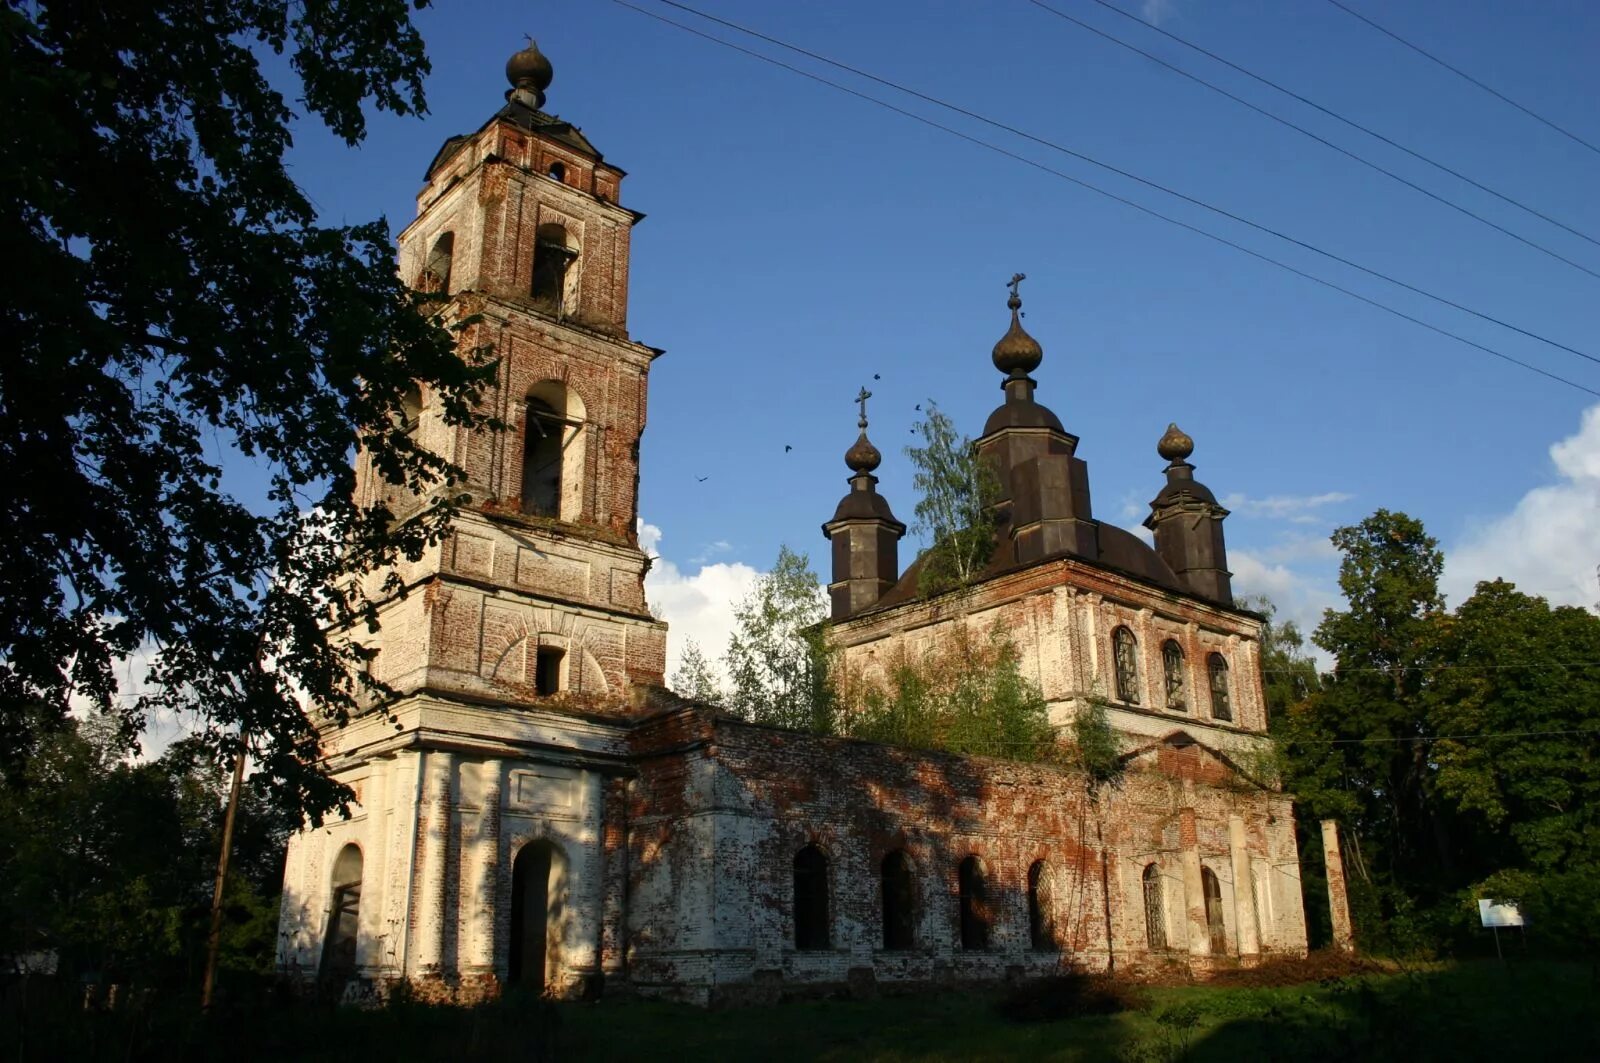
1121 552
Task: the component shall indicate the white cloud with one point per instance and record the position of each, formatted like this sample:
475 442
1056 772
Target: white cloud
1549 544
721 546
1297 595
1156 12
696 605
1300 548
1298 509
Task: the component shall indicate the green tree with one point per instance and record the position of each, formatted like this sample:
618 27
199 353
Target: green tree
777 656
957 488
110 863
694 678
172 299
1359 749
1527 677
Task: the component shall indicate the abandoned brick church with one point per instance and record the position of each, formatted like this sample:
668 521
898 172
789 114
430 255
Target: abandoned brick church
534 808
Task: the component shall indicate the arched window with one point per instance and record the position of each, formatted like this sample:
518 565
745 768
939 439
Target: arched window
1214 923
558 172
899 903
435 276
1041 908
810 899
1221 700
553 452
974 899
1172 666
1155 914
344 915
538 904
553 276
1125 651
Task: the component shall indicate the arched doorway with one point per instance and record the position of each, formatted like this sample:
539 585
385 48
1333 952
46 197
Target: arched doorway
538 907
344 915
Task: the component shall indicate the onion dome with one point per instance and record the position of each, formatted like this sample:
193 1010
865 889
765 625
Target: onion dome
530 74
1017 354
1175 445
863 456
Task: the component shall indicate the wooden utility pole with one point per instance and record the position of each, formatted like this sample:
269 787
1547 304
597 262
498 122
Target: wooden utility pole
214 939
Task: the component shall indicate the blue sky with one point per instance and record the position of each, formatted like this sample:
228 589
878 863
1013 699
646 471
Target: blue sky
799 241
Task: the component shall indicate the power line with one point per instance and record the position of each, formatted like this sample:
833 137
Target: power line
987 145
1347 121
1325 142
1433 738
1442 666
1458 72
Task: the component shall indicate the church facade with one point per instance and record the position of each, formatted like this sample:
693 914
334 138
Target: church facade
534 808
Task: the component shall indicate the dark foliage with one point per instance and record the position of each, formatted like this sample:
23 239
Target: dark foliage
171 299
1069 996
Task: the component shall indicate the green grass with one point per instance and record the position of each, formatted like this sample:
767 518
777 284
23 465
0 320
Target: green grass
1529 1010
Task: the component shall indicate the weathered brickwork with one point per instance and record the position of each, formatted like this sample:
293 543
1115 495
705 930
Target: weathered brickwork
532 806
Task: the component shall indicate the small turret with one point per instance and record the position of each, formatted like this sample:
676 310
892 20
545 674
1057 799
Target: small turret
1186 521
864 531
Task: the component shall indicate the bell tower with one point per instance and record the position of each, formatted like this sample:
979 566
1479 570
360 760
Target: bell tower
539 590
484 845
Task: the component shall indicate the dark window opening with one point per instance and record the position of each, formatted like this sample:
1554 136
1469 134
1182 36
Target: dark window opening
1155 918
541 462
344 916
1214 923
436 271
547 670
899 904
1221 699
558 172
1172 664
411 407
552 258
974 904
1126 655
1041 908
810 899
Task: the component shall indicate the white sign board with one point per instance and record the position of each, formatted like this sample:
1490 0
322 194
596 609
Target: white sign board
1494 914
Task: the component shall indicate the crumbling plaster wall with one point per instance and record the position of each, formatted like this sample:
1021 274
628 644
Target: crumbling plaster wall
1061 615
721 807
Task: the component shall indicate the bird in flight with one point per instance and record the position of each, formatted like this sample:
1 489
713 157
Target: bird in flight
787 448
701 479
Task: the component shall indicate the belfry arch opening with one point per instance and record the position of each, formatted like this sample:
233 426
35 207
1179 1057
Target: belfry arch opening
435 277
344 915
555 274
538 910
553 452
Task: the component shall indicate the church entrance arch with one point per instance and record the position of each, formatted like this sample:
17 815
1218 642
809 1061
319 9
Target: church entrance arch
538 908
344 916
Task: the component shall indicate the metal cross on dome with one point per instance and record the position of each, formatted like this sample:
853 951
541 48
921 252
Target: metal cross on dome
1016 279
862 399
